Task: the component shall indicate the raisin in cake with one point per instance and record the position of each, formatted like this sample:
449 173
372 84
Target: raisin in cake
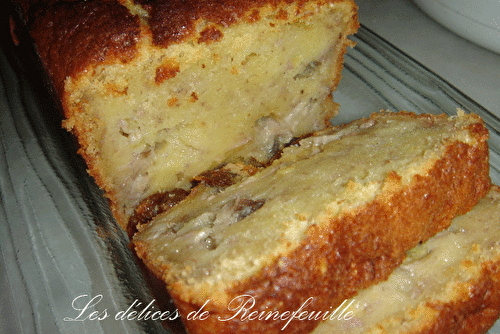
449 284
158 92
334 214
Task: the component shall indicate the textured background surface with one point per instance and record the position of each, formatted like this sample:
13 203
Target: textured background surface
472 69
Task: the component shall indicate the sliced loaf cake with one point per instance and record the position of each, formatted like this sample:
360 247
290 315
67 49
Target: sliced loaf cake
158 92
335 213
449 284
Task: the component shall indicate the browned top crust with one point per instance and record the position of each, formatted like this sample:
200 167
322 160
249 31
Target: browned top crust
171 21
71 35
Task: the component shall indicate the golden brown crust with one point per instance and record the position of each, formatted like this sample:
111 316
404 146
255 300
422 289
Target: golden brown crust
356 250
183 16
71 36
442 295
477 309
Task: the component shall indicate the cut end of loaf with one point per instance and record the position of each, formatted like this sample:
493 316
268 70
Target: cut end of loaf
231 94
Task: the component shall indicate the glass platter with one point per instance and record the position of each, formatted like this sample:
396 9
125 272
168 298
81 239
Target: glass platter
61 255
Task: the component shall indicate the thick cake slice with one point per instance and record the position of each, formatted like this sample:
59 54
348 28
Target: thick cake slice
334 214
158 92
449 284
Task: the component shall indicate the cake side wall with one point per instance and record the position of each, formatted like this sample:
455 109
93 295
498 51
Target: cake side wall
357 250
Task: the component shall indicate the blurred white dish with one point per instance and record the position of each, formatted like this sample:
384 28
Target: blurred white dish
476 20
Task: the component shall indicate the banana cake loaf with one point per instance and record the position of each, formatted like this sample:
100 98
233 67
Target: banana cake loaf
449 284
158 92
335 213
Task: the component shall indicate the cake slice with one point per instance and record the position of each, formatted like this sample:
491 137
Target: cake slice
158 92
334 214
449 284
